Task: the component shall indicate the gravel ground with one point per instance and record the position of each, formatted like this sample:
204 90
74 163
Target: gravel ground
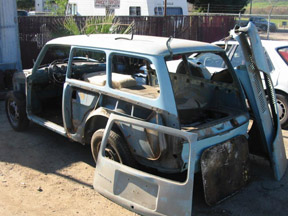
42 173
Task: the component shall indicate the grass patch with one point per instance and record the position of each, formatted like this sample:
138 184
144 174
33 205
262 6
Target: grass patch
264 7
261 3
278 22
267 4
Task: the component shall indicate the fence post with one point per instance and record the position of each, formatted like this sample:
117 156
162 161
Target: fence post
269 19
165 8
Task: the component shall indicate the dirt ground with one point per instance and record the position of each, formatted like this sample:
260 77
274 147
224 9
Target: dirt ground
42 173
281 34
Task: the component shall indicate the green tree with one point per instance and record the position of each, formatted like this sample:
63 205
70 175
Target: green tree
98 25
220 6
25 4
58 7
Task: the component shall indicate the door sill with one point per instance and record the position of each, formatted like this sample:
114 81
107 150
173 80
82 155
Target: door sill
48 124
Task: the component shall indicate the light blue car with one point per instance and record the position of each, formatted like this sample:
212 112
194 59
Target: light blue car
152 117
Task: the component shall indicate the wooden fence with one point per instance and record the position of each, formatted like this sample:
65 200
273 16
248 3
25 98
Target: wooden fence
35 31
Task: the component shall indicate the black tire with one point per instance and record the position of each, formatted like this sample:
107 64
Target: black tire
16 111
264 28
282 105
273 29
116 148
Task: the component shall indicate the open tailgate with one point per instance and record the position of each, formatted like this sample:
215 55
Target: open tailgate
265 112
140 191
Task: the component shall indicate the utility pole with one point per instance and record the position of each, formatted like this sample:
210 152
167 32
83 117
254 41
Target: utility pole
250 7
165 8
269 17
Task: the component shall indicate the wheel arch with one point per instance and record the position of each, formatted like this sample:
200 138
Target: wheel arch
96 120
19 95
94 123
278 91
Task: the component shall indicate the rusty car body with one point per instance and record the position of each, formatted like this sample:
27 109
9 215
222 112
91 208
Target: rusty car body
149 194
166 117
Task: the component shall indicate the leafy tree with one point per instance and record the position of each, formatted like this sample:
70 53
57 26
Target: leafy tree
220 6
25 4
58 7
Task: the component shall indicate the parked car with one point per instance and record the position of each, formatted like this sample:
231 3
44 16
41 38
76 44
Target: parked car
277 58
38 13
262 24
78 81
145 108
75 94
22 13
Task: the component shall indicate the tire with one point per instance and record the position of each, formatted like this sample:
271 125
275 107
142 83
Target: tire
116 148
282 105
16 111
263 28
273 29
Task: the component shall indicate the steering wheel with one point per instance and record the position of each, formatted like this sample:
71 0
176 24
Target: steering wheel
81 58
55 73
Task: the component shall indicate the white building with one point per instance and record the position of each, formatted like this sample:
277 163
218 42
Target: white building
41 6
126 7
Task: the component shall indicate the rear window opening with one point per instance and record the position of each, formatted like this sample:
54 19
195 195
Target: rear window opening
134 75
205 90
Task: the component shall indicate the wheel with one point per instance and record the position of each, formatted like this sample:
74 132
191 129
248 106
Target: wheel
116 148
282 105
273 29
16 111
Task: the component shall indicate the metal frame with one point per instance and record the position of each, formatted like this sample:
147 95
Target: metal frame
139 191
264 111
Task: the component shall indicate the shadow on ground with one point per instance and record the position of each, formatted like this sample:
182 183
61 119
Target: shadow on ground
48 152
40 149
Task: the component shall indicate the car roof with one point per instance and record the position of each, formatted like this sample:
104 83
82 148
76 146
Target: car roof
150 45
265 43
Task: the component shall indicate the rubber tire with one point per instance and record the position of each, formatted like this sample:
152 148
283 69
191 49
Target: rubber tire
264 28
284 102
115 143
20 122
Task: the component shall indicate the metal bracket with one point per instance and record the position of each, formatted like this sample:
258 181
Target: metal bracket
132 35
169 47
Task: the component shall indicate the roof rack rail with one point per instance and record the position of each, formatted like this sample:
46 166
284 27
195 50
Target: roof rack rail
169 47
132 35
